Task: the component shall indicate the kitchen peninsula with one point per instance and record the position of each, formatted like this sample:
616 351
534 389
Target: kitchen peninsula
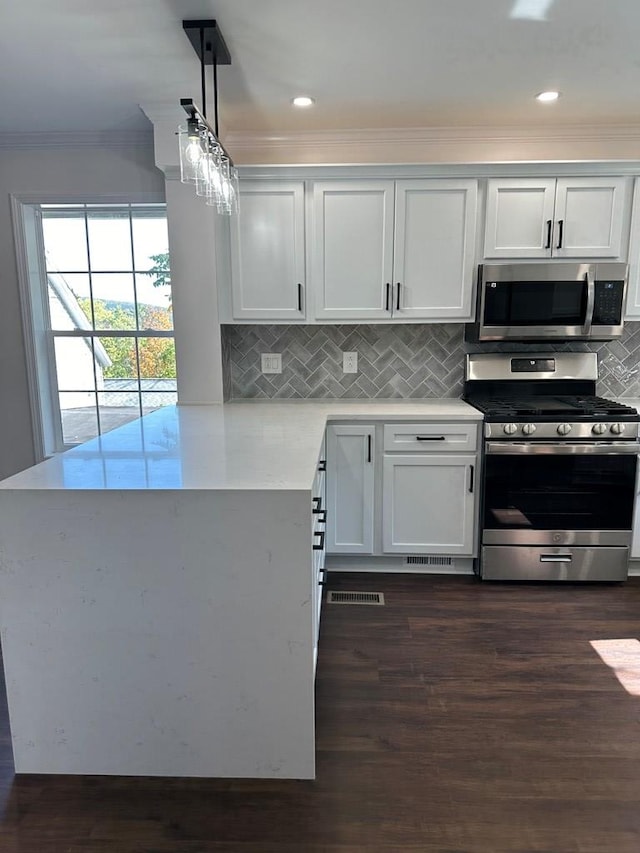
157 592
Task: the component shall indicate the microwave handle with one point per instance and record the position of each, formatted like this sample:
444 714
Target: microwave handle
591 300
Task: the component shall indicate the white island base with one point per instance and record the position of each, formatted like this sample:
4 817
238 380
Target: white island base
159 632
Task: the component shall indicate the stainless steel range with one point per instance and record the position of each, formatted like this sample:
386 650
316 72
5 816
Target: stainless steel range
559 469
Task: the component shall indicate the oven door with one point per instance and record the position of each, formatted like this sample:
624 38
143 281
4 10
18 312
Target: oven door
536 302
559 493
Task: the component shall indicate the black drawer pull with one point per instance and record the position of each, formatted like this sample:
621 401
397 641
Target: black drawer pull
325 579
317 505
431 438
322 465
323 516
471 475
320 546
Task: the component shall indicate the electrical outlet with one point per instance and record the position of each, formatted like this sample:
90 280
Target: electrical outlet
271 362
349 362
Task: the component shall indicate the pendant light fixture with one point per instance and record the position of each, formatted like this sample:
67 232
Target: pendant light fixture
204 161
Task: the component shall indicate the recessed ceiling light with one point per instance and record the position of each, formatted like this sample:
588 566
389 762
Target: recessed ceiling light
303 101
547 97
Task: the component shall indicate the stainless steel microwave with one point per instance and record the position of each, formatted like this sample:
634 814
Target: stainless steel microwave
549 301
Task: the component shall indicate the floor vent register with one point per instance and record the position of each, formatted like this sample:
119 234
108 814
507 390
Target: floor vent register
355 598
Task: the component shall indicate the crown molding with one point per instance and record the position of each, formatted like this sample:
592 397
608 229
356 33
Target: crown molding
433 135
77 139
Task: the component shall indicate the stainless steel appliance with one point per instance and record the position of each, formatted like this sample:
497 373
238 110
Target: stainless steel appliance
549 301
559 469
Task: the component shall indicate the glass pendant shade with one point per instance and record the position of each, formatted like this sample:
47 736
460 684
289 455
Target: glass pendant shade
191 152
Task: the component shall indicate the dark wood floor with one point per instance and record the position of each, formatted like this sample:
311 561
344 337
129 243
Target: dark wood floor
461 717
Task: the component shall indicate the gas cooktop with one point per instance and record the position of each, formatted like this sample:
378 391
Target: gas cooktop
544 409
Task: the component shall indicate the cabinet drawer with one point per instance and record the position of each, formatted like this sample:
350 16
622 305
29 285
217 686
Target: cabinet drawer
431 437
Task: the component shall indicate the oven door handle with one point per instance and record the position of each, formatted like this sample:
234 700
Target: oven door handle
591 300
561 448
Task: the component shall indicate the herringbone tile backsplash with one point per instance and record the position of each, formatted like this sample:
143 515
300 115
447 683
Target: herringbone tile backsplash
417 360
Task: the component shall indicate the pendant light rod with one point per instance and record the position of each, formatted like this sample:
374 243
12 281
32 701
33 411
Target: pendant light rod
203 83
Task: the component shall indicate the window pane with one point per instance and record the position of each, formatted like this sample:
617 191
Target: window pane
69 301
156 399
150 241
113 301
157 360
109 240
74 364
154 304
117 408
117 364
65 243
79 417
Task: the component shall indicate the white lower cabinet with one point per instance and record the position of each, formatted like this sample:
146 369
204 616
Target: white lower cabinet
350 489
428 503
411 492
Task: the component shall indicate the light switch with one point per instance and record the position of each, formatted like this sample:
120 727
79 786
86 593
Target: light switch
271 362
349 362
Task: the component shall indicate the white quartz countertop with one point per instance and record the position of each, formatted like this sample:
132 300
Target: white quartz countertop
239 445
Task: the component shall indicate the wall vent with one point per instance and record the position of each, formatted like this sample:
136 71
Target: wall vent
428 561
355 598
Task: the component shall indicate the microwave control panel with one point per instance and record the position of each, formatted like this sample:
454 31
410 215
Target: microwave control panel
608 303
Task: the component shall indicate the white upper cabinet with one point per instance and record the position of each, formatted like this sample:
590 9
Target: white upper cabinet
352 249
633 293
559 218
385 250
434 254
268 252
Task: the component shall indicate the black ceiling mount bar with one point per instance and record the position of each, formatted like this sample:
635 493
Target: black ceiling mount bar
214 45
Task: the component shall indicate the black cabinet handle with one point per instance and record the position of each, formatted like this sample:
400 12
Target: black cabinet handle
320 546
398 298
560 230
387 305
322 465
471 474
323 516
431 438
368 448
299 297
549 224
325 578
317 506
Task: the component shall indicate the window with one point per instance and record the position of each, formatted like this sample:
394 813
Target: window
101 316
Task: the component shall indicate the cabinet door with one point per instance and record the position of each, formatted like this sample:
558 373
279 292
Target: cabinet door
349 485
633 292
590 212
352 249
434 249
267 252
519 218
428 504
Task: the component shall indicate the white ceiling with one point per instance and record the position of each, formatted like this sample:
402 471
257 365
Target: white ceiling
84 64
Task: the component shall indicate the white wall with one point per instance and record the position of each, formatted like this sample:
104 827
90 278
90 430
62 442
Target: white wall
126 172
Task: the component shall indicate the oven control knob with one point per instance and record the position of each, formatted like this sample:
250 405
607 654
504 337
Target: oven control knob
529 429
598 429
564 429
617 429
510 429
